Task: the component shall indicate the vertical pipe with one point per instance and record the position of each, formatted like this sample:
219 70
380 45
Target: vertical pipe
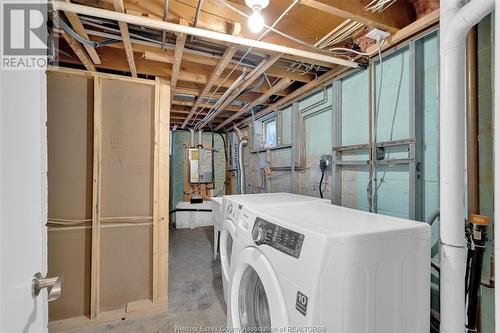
243 142
497 159
200 138
472 125
455 22
473 175
452 109
192 137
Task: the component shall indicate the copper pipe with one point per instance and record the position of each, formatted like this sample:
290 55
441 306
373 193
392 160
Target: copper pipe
472 125
472 135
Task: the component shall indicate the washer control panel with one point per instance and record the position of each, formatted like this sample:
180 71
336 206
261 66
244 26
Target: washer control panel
282 239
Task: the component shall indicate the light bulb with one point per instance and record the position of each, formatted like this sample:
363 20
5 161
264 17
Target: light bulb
256 21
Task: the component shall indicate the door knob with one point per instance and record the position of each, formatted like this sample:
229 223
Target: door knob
53 286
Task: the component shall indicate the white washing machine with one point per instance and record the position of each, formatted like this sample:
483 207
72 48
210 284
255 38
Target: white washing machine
327 268
231 208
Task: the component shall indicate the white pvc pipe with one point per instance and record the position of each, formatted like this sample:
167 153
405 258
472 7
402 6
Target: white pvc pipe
241 166
455 22
200 132
179 28
496 116
192 137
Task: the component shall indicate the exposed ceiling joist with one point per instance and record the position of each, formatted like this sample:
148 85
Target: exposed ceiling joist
179 49
354 10
252 76
79 51
213 61
220 37
280 85
233 108
408 31
79 29
118 4
302 90
226 58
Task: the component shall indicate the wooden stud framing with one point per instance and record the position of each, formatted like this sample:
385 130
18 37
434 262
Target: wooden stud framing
160 221
226 58
118 4
96 202
160 190
163 191
156 189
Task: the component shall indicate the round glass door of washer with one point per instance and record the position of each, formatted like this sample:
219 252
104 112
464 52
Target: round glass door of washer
256 300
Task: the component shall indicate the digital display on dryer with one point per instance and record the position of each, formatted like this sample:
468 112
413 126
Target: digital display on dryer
282 239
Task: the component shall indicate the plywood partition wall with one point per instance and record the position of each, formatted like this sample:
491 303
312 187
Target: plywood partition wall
108 196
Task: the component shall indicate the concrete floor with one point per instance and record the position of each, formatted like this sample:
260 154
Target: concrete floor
195 290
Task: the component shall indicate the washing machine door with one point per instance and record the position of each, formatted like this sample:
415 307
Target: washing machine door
257 302
226 248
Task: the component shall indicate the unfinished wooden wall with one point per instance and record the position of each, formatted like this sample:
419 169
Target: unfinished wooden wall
108 196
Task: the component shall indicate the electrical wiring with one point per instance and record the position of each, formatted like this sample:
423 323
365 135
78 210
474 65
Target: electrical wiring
379 5
375 125
321 184
379 46
80 39
271 28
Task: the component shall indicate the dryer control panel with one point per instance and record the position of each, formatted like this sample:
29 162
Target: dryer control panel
282 239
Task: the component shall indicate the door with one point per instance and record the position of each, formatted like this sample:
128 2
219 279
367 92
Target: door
23 199
256 300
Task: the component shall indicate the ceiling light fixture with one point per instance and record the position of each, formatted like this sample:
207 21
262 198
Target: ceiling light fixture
256 21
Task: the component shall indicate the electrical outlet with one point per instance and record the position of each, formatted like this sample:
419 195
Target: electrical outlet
377 34
325 162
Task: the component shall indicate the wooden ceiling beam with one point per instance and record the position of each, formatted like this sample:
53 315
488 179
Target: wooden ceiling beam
118 4
179 49
226 58
280 85
77 25
252 76
79 51
202 33
391 20
274 71
410 30
232 108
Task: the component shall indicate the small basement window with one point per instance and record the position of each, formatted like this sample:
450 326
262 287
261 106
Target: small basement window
270 133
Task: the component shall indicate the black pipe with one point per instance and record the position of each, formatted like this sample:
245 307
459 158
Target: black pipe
476 240
321 184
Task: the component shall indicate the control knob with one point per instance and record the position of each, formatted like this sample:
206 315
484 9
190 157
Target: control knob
259 234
